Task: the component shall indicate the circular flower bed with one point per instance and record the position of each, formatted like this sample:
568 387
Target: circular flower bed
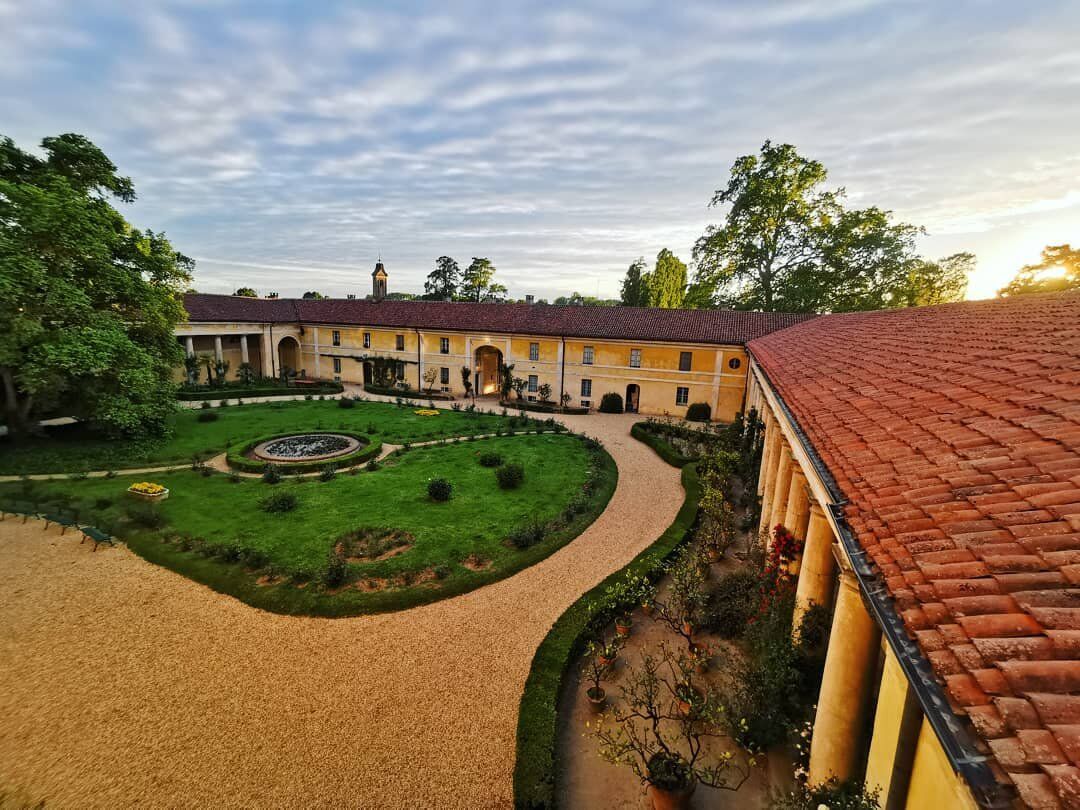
306 447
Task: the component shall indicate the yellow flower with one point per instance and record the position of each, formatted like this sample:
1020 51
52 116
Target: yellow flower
426 412
147 488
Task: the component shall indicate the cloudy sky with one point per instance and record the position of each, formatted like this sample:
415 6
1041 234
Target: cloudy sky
286 145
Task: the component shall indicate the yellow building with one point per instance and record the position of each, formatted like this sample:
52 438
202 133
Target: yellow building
658 361
930 460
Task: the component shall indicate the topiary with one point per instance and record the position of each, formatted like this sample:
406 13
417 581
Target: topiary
490 459
528 535
510 476
699 412
439 489
611 403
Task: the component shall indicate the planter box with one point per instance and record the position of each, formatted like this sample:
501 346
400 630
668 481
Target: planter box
144 496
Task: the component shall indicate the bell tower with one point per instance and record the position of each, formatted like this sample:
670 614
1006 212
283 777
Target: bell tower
378 282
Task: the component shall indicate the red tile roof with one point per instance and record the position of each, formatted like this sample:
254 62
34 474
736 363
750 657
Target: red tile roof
625 323
954 434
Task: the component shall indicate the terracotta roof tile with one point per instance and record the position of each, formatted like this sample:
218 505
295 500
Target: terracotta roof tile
628 323
953 435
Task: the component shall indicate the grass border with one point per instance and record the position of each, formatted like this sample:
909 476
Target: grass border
233 580
238 460
534 766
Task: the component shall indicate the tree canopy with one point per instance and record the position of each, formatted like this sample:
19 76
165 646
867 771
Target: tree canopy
477 282
789 244
246 292
634 293
313 295
666 284
1059 270
88 302
442 282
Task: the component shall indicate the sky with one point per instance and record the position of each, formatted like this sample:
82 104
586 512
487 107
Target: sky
287 146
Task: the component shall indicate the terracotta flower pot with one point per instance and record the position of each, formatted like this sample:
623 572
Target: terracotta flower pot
647 608
671 799
605 661
687 628
597 698
623 625
714 555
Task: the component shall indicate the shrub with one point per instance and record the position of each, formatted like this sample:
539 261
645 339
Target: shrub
309 397
439 489
205 404
103 503
328 473
441 571
336 571
279 502
699 412
224 403
611 403
510 476
207 416
578 505
233 478
731 603
346 402
271 474
528 535
490 459
372 465
832 793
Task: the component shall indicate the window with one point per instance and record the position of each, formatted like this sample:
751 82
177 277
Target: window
587 355
534 351
444 345
682 395
635 358
534 383
685 360
734 363
444 376
399 343
400 370
337 365
586 388
335 337
367 340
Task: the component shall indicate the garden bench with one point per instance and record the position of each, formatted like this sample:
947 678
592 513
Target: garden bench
64 518
96 536
16 508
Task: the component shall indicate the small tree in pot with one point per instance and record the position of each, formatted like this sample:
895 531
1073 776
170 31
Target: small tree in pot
593 672
684 606
664 746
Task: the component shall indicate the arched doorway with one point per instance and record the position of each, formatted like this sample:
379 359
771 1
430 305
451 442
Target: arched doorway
633 394
288 356
488 362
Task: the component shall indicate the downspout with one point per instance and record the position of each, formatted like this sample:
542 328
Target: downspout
954 737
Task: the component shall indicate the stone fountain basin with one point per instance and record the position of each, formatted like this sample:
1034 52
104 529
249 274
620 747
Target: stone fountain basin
305 447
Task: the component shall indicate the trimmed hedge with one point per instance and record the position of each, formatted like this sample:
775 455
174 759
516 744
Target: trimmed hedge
247 393
611 402
541 407
412 393
699 412
662 448
238 460
534 768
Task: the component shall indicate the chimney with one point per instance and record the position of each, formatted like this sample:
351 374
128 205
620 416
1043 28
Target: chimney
530 299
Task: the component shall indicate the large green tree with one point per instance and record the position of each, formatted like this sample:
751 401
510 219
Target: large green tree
634 293
666 284
442 282
246 292
788 243
88 303
313 295
1058 271
477 282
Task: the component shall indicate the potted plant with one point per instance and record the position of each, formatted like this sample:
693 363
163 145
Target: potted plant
623 623
686 596
664 746
593 672
609 652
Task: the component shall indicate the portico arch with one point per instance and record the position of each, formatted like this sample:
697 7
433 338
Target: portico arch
288 349
488 362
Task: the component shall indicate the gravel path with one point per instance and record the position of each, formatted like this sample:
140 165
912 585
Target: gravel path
124 684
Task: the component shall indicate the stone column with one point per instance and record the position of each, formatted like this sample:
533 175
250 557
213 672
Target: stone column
244 350
189 346
318 363
217 348
845 686
768 473
797 515
778 507
817 572
768 448
267 355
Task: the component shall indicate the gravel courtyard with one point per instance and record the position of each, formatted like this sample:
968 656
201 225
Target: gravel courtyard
123 684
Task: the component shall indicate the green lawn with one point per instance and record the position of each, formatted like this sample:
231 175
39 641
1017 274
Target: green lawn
72 449
217 533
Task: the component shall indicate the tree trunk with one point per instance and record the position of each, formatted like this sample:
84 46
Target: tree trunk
16 413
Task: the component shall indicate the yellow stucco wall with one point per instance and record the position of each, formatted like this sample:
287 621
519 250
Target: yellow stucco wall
933 781
710 378
888 719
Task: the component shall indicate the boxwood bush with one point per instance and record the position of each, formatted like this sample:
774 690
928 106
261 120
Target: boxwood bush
510 476
699 412
611 403
439 489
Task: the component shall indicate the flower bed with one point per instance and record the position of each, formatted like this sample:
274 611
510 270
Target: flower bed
149 491
248 392
541 407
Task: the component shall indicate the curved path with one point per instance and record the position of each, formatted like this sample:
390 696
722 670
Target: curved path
123 684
